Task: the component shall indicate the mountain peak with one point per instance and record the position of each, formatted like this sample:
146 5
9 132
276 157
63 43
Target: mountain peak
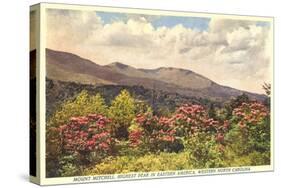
119 65
172 68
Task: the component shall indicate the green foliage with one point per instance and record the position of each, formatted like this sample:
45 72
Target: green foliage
221 114
142 107
81 105
148 163
204 151
124 148
122 112
245 143
232 159
212 111
164 111
98 105
68 167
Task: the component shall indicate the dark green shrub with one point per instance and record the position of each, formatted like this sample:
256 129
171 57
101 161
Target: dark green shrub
204 151
69 166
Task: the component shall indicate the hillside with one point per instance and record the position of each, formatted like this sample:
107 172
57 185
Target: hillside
69 67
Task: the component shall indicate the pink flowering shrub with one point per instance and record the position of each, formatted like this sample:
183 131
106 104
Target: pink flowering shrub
250 114
156 133
166 133
251 128
190 119
202 136
87 135
135 137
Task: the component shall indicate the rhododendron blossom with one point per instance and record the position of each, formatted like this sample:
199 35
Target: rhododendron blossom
187 120
86 134
250 114
193 118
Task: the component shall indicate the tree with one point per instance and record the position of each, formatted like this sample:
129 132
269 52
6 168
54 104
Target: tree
212 111
267 89
122 112
98 105
80 105
236 102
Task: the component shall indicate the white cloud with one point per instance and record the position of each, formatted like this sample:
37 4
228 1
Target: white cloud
230 52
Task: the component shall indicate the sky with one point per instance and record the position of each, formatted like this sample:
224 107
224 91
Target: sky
231 52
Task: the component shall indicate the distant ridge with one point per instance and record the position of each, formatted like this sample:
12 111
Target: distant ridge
68 67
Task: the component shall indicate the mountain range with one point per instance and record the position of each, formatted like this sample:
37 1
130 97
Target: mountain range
68 67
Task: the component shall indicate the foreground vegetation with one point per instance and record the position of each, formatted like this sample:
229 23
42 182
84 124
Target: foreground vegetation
87 137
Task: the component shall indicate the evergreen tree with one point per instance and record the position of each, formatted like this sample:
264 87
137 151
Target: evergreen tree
212 111
267 89
236 102
122 112
98 105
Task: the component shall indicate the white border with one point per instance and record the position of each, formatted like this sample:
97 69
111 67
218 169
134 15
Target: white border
42 109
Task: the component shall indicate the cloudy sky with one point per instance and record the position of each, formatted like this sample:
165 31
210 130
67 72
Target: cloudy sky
234 53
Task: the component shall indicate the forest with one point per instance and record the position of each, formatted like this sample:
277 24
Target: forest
87 136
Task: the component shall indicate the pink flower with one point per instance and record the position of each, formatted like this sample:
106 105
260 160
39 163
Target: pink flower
220 137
